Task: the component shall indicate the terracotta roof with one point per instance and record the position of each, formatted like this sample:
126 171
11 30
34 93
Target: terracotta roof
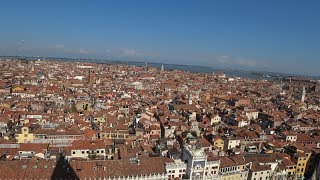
118 168
89 144
204 142
226 162
33 147
256 167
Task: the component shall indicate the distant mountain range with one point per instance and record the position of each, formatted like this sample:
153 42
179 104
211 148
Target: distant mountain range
190 68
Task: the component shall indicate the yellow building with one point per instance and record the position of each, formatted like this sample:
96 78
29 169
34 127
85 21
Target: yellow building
218 142
302 160
300 155
233 168
84 105
290 168
18 89
25 135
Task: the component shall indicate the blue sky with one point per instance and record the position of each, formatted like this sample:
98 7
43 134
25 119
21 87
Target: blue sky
272 35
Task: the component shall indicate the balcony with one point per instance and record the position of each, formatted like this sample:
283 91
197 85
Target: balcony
246 170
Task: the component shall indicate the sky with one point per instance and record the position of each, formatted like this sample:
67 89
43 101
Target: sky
268 35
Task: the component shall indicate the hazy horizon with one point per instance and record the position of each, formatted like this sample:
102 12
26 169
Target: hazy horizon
274 36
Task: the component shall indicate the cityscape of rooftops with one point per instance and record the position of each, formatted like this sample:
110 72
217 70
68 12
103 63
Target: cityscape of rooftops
160 90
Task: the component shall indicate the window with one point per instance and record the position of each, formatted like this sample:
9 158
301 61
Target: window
73 152
97 151
82 152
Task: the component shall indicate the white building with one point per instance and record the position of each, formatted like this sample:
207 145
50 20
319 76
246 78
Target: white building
252 115
215 119
232 143
198 165
176 169
291 138
88 149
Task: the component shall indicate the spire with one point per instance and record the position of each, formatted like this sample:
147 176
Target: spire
303 95
146 65
189 99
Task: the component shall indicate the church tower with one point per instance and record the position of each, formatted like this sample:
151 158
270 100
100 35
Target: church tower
146 66
162 67
303 94
189 99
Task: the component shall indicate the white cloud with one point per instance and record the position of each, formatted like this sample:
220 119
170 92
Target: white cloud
68 51
245 62
59 46
21 42
121 53
224 60
236 61
108 51
83 51
63 48
129 52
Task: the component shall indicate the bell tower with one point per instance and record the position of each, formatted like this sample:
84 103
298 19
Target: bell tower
303 94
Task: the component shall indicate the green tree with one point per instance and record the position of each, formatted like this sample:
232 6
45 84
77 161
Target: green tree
73 108
194 134
184 134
